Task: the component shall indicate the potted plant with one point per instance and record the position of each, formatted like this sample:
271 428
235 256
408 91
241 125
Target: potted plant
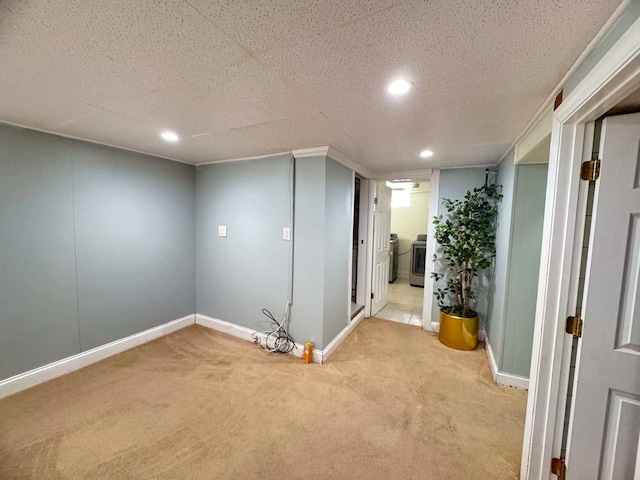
466 246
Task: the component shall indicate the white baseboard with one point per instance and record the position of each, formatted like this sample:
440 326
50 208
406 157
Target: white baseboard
341 337
53 370
247 334
503 378
319 356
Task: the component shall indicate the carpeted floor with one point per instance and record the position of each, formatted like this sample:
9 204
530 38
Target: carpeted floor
393 403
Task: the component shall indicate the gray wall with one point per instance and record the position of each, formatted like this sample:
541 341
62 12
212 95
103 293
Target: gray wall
496 314
239 275
522 287
512 310
454 184
96 244
338 211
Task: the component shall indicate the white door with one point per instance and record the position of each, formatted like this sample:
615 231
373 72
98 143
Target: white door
605 430
381 251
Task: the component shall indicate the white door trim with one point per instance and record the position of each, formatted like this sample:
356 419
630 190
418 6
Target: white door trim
610 80
429 323
371 191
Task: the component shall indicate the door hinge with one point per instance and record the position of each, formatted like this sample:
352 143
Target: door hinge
375 200
372 296
574 326
558 467
590 170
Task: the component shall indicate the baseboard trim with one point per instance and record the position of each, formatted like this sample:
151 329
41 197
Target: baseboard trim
319 356
330 349
247 334
53 370
503 378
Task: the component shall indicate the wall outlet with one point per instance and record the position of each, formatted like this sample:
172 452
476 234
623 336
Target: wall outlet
222 230
286 233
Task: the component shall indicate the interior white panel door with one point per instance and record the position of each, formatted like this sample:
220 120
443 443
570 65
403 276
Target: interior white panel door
605 428
381 251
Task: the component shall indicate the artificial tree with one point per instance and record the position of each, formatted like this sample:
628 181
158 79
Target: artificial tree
467 245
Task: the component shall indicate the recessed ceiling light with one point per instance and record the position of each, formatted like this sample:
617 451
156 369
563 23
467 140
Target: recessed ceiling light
170 136
426 153
399 87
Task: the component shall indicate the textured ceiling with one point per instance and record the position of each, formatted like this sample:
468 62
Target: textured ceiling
240 78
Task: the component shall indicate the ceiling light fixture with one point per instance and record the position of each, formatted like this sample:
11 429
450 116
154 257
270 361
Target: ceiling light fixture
399 87
426 154
169 136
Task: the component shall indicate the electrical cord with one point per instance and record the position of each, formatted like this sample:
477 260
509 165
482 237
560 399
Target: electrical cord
278 339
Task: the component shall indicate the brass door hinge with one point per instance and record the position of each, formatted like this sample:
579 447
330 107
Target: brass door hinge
574 326
590 170
558 467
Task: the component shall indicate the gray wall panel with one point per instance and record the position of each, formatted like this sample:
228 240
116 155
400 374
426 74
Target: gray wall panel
135 240
497 307
89 229
308 290
339 208
526 247
247 271
38 303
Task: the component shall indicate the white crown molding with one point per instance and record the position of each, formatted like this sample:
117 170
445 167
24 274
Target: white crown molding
53 370
71 137
321 151
242 159
417 174
337 155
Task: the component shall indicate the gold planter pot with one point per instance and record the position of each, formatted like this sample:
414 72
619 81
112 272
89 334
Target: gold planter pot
458 332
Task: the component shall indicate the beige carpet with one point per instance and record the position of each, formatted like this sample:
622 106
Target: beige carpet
391 404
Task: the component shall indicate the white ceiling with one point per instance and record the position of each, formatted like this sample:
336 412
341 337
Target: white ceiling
239 78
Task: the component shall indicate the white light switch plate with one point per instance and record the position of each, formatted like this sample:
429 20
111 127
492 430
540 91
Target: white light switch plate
222 230
286 233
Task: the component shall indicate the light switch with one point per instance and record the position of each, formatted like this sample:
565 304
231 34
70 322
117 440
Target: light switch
222 230
286 233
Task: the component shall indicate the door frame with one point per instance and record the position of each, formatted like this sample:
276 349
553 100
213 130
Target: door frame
610 80
422 175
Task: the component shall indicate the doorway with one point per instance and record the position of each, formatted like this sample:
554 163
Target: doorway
602 411
408 217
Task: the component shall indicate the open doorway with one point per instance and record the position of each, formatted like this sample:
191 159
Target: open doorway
408 222
358 246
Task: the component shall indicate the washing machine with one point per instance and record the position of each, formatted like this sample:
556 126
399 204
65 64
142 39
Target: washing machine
418 261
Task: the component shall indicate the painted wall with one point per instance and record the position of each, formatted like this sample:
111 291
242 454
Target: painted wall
497 305
454 184
515 277
247 271
337 242
408 222
97 244
240 274
524 265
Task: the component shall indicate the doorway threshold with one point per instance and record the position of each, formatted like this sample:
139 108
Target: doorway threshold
355 309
